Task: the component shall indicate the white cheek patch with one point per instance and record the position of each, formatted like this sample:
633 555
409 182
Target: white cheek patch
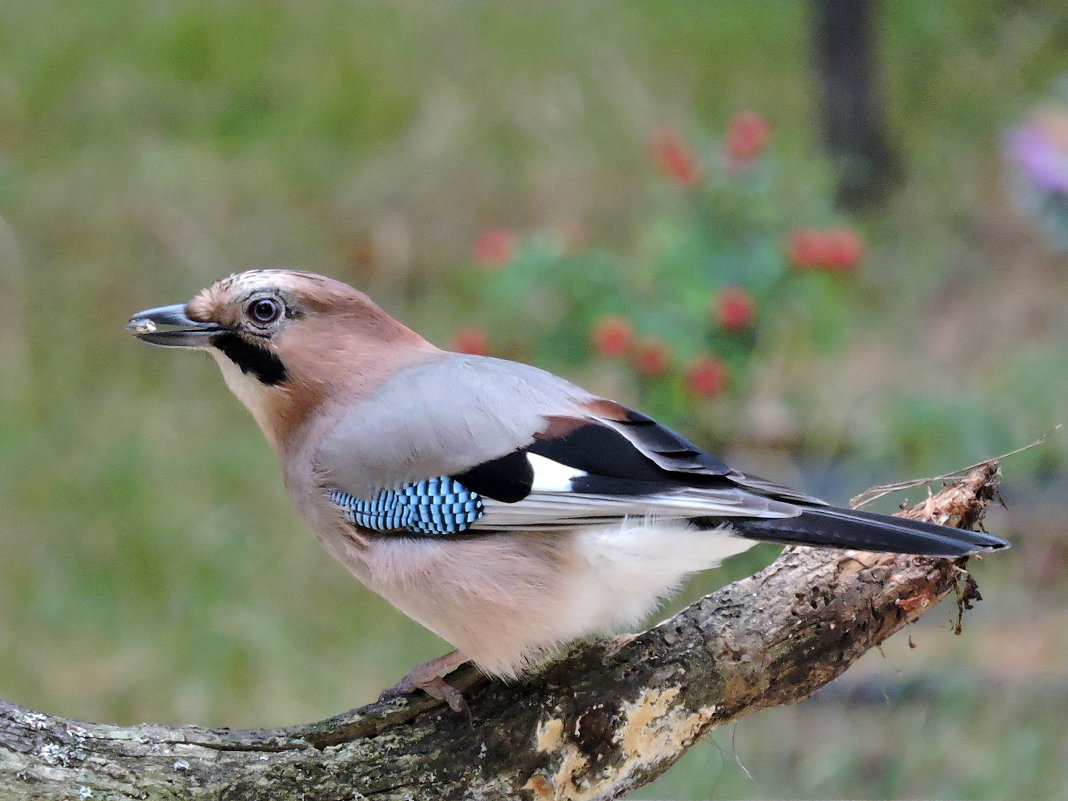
252 393
550 476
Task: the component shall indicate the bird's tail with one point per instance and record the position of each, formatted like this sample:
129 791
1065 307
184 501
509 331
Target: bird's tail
830 527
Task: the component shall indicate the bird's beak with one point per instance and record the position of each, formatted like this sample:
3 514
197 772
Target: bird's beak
178 331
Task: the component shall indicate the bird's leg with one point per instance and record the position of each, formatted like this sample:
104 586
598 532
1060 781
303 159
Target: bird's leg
430 678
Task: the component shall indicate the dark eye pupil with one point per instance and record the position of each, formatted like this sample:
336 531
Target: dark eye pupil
265 311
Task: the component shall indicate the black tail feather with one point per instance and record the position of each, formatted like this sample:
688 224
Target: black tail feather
830 527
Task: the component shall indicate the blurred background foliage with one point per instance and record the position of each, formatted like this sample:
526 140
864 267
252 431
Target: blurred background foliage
564 183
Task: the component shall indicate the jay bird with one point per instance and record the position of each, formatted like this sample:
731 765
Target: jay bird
502 507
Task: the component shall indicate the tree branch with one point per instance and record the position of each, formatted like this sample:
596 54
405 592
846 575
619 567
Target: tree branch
601 719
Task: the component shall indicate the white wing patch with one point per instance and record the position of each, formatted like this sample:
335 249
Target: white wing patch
550 476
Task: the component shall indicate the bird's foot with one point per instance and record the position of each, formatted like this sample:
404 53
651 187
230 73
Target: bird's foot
429 677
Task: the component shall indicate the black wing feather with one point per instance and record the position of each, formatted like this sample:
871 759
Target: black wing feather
630 455
829 527
680 454
598 450
507 479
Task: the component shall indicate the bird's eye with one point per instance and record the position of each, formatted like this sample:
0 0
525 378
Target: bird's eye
264 311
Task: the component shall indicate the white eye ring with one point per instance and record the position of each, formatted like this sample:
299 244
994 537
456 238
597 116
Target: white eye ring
263 311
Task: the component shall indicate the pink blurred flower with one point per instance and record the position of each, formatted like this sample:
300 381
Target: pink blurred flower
494 248
734 308
1036 152
706 377
747 136
471 340
674 158
651 357
806 248
844 249
612 335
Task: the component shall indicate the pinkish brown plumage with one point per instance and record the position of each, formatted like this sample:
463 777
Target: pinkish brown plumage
499 505
344 341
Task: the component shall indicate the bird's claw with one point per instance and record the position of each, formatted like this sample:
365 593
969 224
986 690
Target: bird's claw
435 687
429 678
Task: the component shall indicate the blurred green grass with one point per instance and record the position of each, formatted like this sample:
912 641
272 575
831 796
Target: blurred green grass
152 568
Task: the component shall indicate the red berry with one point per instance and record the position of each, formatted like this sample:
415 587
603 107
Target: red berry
844 249
612 335
807 248
652 357
836 250
747 135
470 340
706 377
494 248
735 309
673 158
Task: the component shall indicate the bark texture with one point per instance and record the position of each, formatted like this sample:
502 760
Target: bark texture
601 719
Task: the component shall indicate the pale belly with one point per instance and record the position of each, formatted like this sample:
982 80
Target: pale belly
505 599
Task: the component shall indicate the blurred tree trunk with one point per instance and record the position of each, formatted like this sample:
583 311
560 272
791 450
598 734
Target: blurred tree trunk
854 122
604 718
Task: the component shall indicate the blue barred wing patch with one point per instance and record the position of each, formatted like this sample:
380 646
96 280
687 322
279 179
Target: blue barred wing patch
436 506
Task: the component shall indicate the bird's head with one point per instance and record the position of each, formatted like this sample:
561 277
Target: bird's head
286 341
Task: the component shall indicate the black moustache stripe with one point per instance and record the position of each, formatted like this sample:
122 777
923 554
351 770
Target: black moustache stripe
252 358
